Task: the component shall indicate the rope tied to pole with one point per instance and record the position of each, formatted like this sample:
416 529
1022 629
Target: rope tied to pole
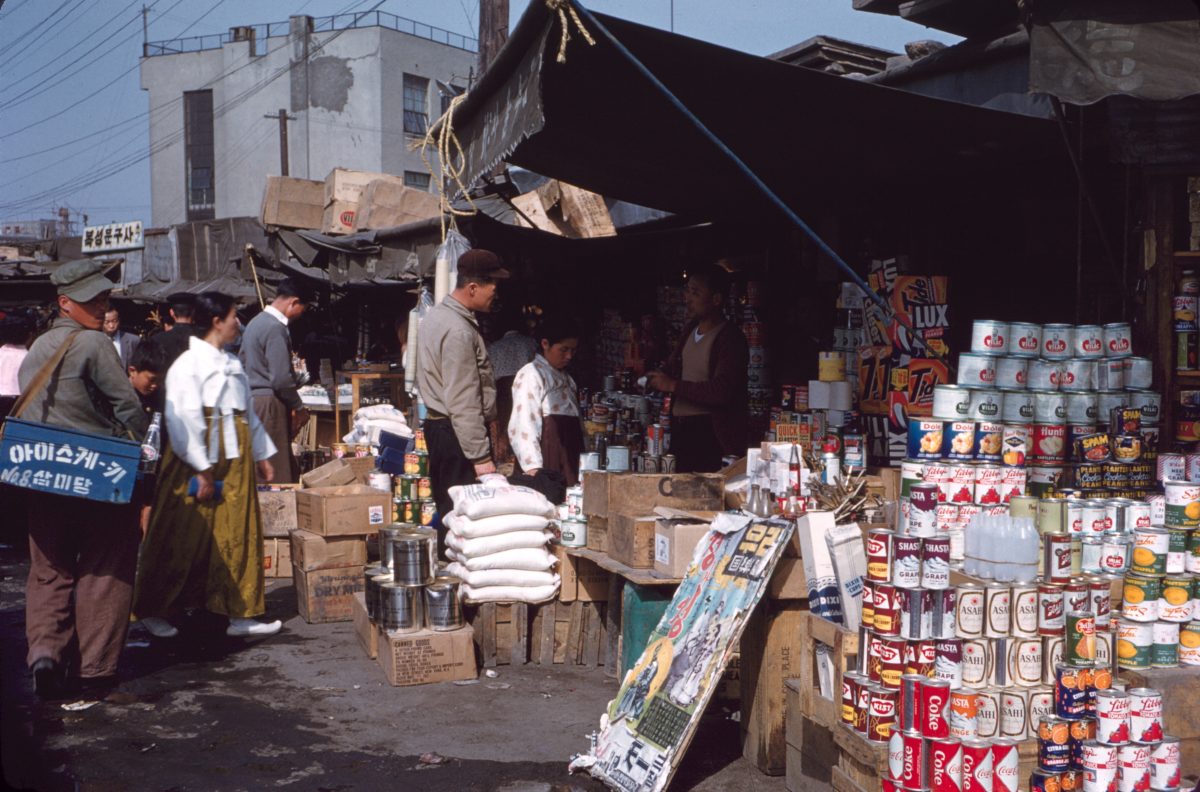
564 8
452 165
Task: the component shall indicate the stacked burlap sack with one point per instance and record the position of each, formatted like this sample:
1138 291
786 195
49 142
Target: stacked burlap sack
497 543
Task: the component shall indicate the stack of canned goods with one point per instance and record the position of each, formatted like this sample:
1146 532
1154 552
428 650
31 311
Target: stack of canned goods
1054 389
408 591
941 498
412 493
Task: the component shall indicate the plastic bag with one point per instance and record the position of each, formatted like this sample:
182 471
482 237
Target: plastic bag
445 273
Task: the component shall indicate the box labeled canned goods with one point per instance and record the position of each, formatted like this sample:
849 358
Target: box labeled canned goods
922 514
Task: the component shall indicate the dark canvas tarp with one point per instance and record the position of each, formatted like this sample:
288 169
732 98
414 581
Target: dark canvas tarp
595 122
206 255
1084 50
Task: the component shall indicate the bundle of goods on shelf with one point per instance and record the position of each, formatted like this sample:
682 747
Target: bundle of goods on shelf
821 415
408 591
369 422
497 543
412 491
626 430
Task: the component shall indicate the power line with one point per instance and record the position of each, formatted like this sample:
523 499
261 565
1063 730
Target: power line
40 22
14 54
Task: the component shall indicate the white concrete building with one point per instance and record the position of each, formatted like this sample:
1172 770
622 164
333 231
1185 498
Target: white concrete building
358 89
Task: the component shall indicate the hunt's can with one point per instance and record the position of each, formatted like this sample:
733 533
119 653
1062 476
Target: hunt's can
1150 547
1175 599
1012 373
1100 766
1087 341
1006 765
1054 748
1140 598
1145 715
1051 609
1049 442
1134 643
977 768
1080 638
1165 764
976 371
879 554
1134 774
1164 652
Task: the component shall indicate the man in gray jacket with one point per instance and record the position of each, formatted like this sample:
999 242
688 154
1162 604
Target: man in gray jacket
454 379
266 354
83 553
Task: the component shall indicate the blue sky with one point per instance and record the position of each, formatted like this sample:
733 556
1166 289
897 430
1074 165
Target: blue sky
71 109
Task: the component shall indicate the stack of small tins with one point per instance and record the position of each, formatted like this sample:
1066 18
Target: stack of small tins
412 493
1159 624
1116 742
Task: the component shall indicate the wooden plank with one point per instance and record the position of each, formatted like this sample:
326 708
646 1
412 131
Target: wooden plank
643 577
843 646
562 633
770 655
573 633
519 653
535 635
591 633
487 615
602 633
843 783
612 626
546 649
504 633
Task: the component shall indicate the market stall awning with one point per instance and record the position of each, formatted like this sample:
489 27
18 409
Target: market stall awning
594 121
387 256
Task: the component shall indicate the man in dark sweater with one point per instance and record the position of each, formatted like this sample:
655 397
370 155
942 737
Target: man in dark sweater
174 341
707 375
267 357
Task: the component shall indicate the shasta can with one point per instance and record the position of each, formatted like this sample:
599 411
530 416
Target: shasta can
908 702
906 561
1100 766
948 661
964 714
935 562
915 610
1006 765
1135 641
1134 775
976 371
1145 715
977 768
1012 373
989 337
1165 764
922 516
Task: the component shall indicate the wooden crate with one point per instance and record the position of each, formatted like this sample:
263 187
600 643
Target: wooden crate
573 633
811 751
501 633
771 653
843 645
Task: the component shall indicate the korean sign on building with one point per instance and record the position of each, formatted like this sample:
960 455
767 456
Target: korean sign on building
112 237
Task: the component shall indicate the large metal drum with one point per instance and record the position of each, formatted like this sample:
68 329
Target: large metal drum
371 579
386 535
413 557
443 605
402 608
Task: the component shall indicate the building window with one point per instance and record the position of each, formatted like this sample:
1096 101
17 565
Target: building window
416 104
416 179
448 92
198 153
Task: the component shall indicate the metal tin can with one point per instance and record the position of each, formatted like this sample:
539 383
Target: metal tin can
891 661
1051 610
574 532
1116 476
1082 408
951 402
1139 374
1149 402
868 603
1049 407
879 554
1054 749
863 706
1134 643
1071 691
1044 375
1043 780
1012 483
1043 479
1057 341
1110 374
989 337
964 714
1177 550
1006 763
976 371
1175 599
978 662
948 667
987 485
922 517
1025 662
1114 554
997 607
934 718
1078 375
1108 401
958 441
1093 517
970 610
915 608
574 501
882 716
945 765
1134 773
947 517
1091 449
1056 557
1164 652
1145 715
1018 407
1100 594
910 765
960 487
1140 597
935 562
988 708
851 681
977 770
1150 547
908 702
1049 442
1012 373
1014 713
1189 643
1193 554
1112 717
1080 637
1023 605
1087 341
1165 764
1025 339
906 561
986 405
944 606
989 441
887 615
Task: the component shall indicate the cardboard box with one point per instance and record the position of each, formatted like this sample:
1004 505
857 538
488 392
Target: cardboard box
582 578
277 558
425 657
293 203
386 203
325 595
277 509
350 510
640 493
788 581
312 551
343 184
339 218
631 539
348 470
368 636
675 541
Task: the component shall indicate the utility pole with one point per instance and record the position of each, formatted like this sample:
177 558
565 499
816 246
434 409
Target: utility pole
493 30
283 142
145 31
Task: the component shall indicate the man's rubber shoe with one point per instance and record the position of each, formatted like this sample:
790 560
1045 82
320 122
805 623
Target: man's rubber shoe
159 628
241 628
47 678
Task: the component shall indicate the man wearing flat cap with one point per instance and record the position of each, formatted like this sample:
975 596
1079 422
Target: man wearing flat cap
455 380
82 552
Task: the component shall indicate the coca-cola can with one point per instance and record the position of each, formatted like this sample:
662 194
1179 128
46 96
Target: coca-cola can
970 610
945 765
948 664
1134 775
1165 764
997 602
1145 715
1100 766
964 713
1023 604
978 663
1006 765
934 716
987 706
908 704
879 554
912 764
977 767
1052 609
881 717
1014 713
1112 717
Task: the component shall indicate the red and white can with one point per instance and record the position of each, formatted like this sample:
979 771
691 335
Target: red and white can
1012 483
947 516
1164 764
961 487
879 554
934 715
1100 766
964 714
1112 717
887 612
1006 765
863 706
850 683
977 767
881 717
1172 467
987 485
938 473
1145 715
913 761
920 657
1049 442
945 765
1134 775
908 705
891 663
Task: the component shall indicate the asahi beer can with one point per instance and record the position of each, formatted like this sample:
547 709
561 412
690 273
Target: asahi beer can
976 371
988 708
1145 715
970 610
1165 764
1023 605
978 663
998 610
1164 652
951 403
1134 774
1078 375
1014 713
1135 641
1044 375
977 770
1006 765
1024 662
989 337
1049 407
1139 373
1054 744
1101 766
1012 373
1112 717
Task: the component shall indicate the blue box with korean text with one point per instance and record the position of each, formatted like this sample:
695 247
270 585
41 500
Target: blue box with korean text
68 462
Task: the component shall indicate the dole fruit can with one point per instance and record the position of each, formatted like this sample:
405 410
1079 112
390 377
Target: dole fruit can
925 438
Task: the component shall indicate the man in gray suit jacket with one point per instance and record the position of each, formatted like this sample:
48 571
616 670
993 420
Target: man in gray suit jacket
124 342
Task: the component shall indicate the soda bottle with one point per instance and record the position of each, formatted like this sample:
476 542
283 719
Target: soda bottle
152 445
